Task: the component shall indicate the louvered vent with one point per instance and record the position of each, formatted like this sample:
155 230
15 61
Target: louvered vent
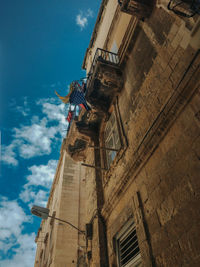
128 247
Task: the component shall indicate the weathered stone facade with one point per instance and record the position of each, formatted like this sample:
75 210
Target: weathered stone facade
58 243
154 176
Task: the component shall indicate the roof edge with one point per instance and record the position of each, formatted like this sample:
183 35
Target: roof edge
94 33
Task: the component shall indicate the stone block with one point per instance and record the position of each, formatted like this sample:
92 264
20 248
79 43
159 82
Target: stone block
176 57
153 223
161 62
193 131
194 175
173 31
189 243
164 77
159 241
166 211
182 221
186 119
156 197
168 183
177 73
145 253
153 180
182 194
154 201
160 260
148 208
141 178
186 40
161 23
176 40
173 255
195 102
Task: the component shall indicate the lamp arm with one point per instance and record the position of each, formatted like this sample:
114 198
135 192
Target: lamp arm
80 231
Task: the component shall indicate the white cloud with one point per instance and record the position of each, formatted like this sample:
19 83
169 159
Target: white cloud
8 155
34 198
54 112
82 18
37 138
12 218
41 175
81 21
24 254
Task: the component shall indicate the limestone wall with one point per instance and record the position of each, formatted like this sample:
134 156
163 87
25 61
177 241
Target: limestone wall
59 244
159 109
155 178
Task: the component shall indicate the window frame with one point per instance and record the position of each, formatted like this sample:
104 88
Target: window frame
111 135
123 141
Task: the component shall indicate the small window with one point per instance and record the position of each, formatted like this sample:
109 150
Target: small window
128 252
111 139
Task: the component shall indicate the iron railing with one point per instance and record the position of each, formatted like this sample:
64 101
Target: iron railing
185 8
102 56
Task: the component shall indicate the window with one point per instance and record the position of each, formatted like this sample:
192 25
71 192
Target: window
111 138
128 252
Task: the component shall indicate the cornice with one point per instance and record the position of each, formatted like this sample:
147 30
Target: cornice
95 31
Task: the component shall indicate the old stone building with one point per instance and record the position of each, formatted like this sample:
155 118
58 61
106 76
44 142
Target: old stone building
58 243
141 146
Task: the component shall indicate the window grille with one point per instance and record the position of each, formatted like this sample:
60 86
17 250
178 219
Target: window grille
127 247
111 138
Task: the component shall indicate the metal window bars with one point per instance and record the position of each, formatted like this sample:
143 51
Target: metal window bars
184 8
128 247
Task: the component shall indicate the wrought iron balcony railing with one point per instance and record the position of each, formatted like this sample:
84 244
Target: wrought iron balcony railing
185 8
105 79
104 56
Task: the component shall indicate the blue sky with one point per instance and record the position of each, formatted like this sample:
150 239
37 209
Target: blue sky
42 46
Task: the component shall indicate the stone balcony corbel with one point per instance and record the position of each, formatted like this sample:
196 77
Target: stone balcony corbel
139 8
82 132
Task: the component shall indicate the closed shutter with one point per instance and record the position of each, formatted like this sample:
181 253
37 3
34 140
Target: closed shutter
128 248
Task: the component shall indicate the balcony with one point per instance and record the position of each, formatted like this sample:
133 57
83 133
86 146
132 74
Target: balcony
105 80
104 83
185 8
138 8
83 130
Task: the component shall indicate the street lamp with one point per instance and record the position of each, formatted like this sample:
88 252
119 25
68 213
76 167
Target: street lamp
44 214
